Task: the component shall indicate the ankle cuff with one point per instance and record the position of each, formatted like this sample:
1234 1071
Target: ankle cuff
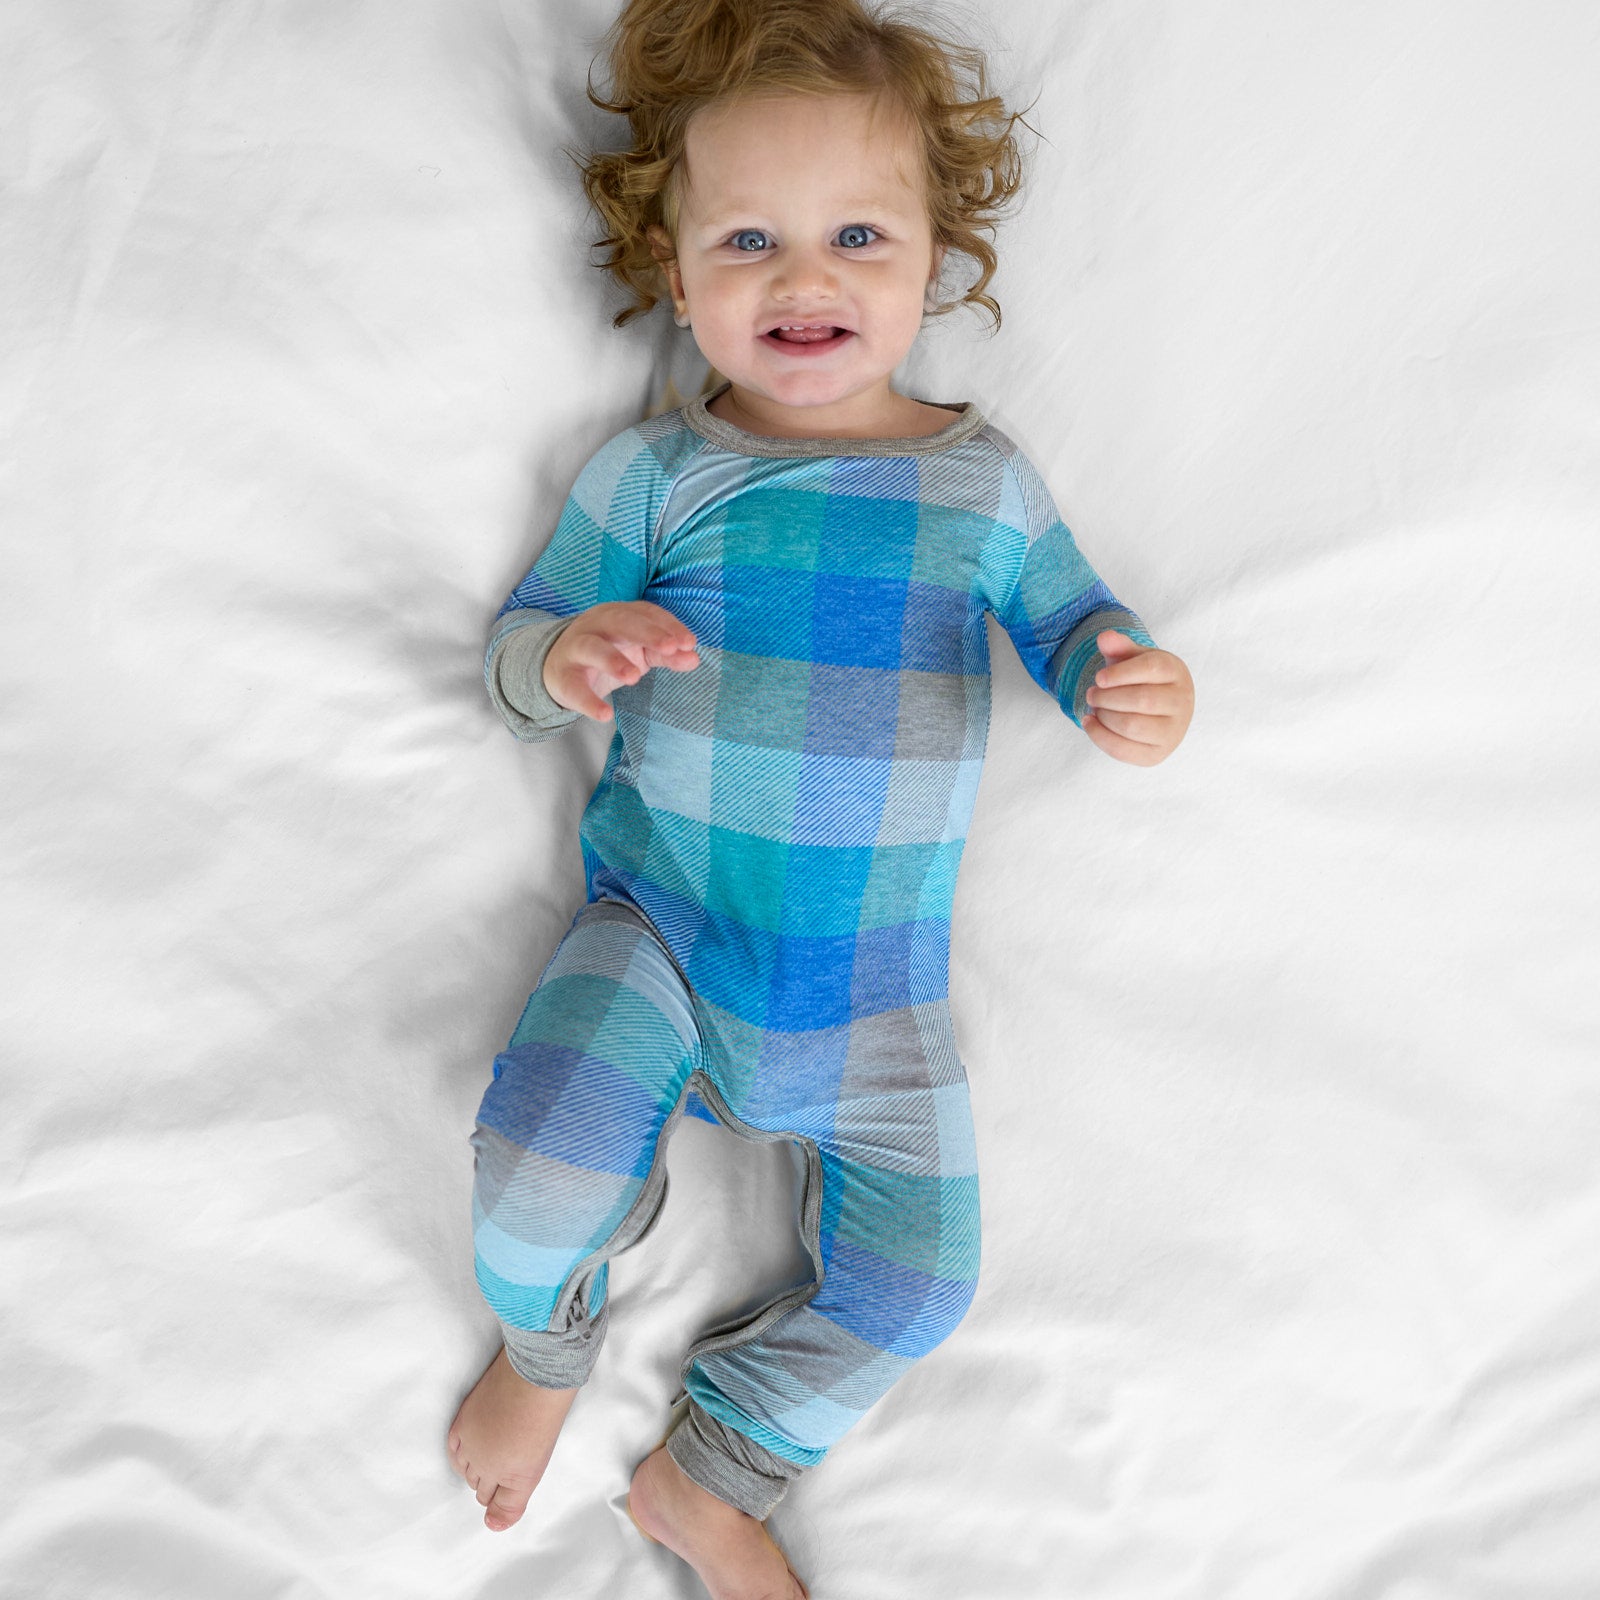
733 1468
556 1360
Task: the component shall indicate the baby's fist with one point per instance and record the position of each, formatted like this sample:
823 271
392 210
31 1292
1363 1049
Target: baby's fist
1141 701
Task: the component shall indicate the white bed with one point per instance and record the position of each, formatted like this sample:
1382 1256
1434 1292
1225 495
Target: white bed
1283 1054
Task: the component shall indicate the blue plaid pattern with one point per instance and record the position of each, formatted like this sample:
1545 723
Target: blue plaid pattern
783 826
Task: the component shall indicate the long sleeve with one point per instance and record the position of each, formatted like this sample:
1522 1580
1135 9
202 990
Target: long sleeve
600 552
1052 602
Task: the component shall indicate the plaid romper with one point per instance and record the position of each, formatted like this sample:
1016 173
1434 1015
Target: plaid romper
770 858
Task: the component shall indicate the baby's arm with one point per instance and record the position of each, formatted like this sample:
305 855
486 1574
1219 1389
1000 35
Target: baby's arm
577 625
1077 640
610 645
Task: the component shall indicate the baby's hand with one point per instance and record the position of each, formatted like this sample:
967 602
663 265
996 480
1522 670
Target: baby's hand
1142 701
610 645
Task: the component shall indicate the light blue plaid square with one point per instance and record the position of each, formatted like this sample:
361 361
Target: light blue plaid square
839 800
675 773
754 790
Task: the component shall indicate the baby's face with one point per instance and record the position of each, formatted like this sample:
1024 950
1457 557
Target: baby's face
798 210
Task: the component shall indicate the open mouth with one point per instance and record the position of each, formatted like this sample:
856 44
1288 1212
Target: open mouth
803 336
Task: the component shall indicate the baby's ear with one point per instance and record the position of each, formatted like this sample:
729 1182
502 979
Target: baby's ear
661 246
930 295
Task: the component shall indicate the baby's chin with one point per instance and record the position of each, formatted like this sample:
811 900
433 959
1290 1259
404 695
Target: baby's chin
840 408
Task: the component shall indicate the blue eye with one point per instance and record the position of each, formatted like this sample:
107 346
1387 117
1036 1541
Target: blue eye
737 241
856 235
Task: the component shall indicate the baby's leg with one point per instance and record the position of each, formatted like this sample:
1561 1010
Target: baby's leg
569 1173
896 1231
901 1270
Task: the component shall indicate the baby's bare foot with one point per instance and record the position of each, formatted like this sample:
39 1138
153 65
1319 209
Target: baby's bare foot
502 1437
732 1552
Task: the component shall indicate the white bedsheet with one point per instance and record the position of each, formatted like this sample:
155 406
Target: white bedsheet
1283 1055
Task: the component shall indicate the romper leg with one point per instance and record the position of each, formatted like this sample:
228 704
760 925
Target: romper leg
897 1235
570 1137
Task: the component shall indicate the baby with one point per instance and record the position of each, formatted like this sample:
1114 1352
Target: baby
779 593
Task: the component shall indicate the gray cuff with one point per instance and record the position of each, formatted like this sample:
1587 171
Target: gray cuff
1080 648
514 674
735 1469
557 1360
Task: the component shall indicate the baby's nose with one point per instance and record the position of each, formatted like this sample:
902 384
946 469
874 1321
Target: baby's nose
806 274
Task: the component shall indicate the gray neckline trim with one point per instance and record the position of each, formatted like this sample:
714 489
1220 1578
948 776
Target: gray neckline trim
967 421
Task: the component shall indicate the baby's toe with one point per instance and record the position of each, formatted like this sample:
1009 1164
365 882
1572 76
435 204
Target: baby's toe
506 1505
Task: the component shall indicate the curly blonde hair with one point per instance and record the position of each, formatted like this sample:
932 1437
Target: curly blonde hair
672 58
